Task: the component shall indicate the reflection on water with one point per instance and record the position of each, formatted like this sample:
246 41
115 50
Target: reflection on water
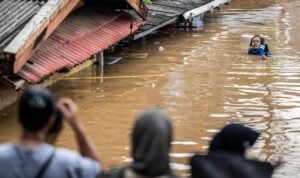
203 80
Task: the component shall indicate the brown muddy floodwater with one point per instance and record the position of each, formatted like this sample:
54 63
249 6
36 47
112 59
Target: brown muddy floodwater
203 80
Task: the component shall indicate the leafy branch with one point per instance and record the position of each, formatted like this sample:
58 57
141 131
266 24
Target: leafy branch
147 1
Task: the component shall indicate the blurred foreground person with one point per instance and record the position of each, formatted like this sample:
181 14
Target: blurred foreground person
41 119
151 142
226 156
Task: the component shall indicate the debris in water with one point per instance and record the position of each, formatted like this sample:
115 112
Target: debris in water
153 85
137 55
110 60
161 48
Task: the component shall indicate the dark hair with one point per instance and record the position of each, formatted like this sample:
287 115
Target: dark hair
262 40
58 122
35 109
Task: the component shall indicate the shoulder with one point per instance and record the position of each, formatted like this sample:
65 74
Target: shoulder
73 160
67 153
7 159
5 146
6 150
69 156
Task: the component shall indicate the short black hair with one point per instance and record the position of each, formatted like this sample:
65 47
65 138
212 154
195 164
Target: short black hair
57 123
36 107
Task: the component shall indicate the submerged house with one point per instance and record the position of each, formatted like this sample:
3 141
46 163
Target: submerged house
165 12
13 16
42 37
62 34
209 6
27 24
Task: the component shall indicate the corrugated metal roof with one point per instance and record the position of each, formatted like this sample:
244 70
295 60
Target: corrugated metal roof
34 33
204 8
164 11
81 35
13 16
183 4
137 5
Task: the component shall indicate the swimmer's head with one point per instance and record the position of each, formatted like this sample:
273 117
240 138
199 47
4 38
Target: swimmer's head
256 41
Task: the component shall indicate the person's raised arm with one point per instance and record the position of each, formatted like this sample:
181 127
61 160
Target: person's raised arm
85 144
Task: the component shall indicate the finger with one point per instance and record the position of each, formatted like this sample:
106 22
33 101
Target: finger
64 110
71 105
68 103
62 107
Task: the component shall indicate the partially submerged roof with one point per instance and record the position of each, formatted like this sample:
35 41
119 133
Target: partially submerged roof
37 30
210 5
183 6
164 12
14 14
82 34
137 5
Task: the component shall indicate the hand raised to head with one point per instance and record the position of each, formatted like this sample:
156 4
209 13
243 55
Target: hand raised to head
69 110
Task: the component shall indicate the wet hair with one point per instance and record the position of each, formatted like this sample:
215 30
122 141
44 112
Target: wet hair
262 40
36 107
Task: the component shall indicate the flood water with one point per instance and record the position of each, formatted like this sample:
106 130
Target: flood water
202 80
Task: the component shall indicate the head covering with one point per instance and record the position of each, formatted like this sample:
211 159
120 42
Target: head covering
226 165
226 156
151 142
233 138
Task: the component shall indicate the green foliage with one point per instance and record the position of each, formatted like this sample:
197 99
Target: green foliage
147 1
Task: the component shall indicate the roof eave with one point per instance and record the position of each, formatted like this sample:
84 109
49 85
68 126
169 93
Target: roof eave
37 30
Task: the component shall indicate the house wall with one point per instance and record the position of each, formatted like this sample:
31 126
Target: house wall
7 96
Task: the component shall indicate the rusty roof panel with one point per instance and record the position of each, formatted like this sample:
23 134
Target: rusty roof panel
13 16
80 35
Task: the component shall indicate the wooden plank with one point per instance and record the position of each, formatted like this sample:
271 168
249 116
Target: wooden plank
166 9
156 14
137 55
155 21
172 4
38 30
144 33
146 27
